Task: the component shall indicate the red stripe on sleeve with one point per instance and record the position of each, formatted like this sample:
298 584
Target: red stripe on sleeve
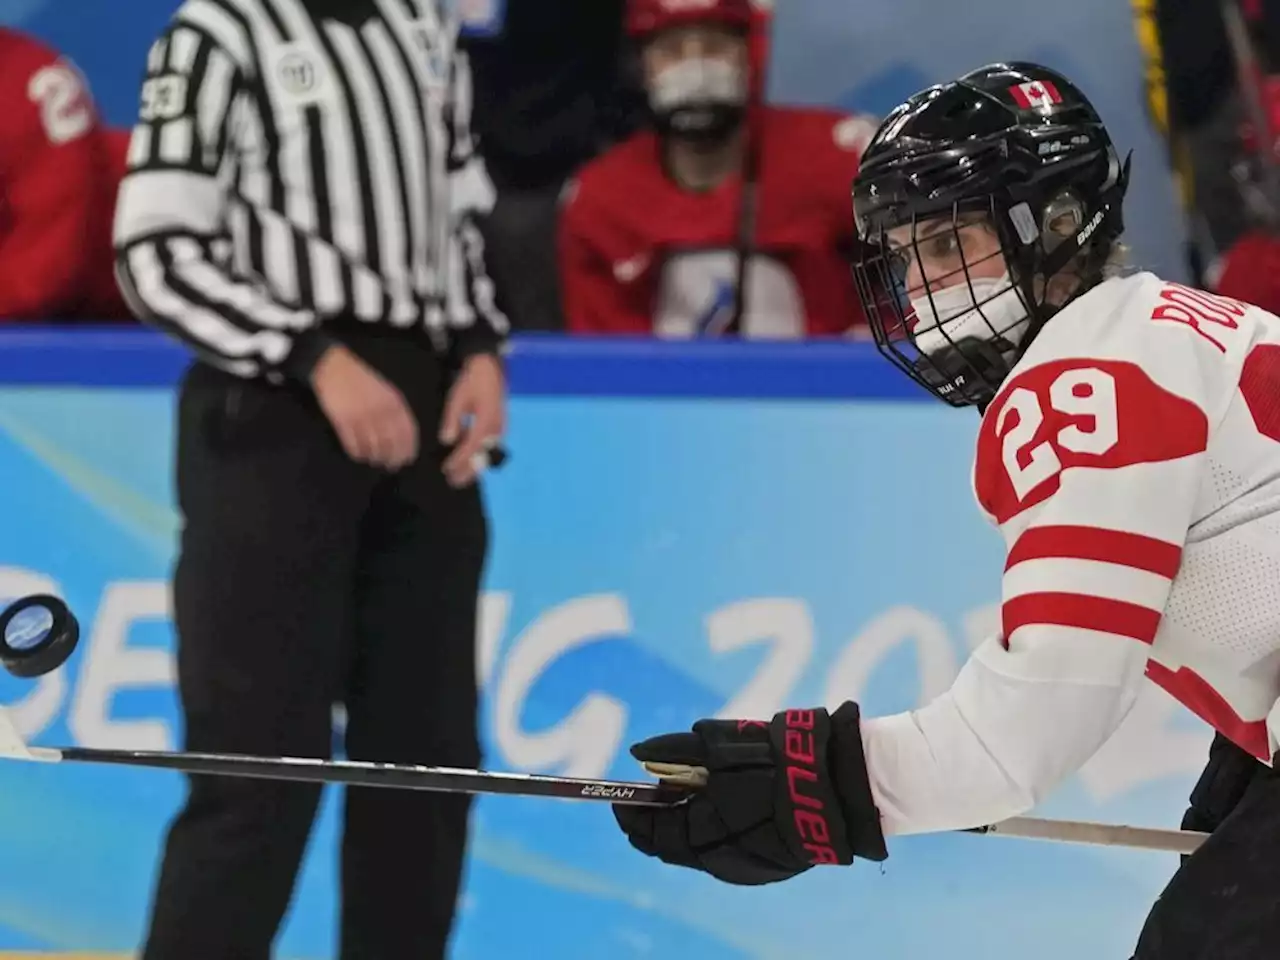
1095 543
1077 610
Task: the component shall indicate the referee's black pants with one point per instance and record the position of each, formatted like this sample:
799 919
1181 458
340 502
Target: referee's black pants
305 579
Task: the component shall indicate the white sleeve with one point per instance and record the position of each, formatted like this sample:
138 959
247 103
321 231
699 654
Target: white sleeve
1091 469
471 294
171 212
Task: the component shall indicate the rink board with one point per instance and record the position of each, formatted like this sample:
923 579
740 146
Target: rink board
708 541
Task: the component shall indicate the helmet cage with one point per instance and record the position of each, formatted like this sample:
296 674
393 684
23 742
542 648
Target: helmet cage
958 370
1025 217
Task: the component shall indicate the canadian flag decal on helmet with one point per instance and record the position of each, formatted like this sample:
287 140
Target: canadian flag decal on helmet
1036 93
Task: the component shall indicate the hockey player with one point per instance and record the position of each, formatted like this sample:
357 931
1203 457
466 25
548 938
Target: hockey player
650 232
60 168
1129 452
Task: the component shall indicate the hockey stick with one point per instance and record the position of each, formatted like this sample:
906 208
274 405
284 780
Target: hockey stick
1030 828
1097 834
675 785
349 772
39 633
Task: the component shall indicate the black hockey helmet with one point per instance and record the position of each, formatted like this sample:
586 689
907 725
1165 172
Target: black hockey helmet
1019 150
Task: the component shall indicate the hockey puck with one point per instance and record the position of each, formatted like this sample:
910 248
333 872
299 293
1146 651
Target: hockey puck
37 635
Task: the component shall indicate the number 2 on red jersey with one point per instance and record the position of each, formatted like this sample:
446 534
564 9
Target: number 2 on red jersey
1072 413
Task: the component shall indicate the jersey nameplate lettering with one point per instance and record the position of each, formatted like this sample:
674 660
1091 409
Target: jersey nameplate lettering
1209 315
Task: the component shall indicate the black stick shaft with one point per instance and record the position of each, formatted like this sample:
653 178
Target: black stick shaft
452 780
399 776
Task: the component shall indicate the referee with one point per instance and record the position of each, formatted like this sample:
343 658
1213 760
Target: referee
299 210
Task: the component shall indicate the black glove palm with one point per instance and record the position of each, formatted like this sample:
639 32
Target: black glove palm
780 797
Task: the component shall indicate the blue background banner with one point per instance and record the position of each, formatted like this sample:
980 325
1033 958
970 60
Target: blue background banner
727 549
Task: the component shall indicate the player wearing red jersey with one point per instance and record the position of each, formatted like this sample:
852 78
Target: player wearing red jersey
1129 453
59 172
652 231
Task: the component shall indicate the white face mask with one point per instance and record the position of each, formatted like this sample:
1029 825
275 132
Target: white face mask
954 314
698 81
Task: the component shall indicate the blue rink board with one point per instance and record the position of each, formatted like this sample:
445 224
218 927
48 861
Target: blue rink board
538 365
674 520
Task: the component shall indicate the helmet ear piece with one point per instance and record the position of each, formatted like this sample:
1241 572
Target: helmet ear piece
967 372
1061 217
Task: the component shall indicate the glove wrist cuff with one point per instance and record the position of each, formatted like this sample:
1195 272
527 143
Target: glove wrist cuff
848 764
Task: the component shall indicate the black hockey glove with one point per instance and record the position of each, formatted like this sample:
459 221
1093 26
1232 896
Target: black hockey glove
780 797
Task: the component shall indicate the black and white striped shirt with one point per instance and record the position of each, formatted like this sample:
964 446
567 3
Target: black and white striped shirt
297 161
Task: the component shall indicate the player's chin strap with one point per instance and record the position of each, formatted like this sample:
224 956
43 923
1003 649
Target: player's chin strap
1072 248
1105 225
971 367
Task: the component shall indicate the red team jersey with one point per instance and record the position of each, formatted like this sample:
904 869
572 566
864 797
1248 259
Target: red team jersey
639 255
59 173
1131 461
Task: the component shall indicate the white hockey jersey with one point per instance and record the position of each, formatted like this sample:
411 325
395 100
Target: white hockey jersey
1132 463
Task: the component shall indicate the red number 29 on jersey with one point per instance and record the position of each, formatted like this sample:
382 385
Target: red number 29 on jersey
1103 414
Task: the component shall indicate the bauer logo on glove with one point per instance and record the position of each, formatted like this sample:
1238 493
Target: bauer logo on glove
776 797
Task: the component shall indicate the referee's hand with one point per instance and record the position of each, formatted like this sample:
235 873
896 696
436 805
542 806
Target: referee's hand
371 417
475 417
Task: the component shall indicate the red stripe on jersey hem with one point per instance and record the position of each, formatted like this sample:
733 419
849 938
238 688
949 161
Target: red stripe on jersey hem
1078 610
1096 543
1196 694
